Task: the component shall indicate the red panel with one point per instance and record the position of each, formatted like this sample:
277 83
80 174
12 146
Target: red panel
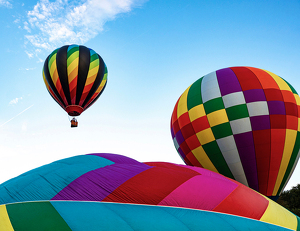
243 202
291 108
176 127
292 122
174 115
172 166
193 160
184 147
186 160
278 121
200 124
277 146
264 78
262 143
288 96
184 119
193 142
273 95
154 184
187 131
247 78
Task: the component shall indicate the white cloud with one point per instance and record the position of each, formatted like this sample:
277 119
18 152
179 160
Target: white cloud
15 101
52 24
5 3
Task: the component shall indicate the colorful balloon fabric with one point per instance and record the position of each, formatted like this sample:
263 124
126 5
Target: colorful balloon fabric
75 76
95 216
242 122
108 190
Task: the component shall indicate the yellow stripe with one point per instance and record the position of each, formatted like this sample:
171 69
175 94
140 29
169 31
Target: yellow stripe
90 80
5 224
73 70
217 117
203 159
53 73
290 138
196 112
278 215
53 66
182 103
93 72
280 82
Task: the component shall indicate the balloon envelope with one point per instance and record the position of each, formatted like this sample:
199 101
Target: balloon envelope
242 122
75 77
94 216
131 190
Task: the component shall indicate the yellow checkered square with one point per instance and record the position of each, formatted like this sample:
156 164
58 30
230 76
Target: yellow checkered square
196 112
205 136
217 117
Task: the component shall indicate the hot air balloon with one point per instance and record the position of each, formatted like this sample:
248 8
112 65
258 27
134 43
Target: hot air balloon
103 191
242 122
75 76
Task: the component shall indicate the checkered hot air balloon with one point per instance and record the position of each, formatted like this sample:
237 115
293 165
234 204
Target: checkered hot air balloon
242 122
75 77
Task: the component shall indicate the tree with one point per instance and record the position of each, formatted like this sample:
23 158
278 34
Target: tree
290 199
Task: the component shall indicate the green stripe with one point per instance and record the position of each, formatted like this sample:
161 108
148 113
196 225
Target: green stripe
194 95
291 163
72 57
292 88
72 49
94 64
35 216
94 57
215 155
52 58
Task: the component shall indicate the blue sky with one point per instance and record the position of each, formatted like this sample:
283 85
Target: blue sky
153 50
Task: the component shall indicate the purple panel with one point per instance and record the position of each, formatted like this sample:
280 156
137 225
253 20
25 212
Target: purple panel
228 82
172 133
116 158
181 153
246 149
260 122
98 184
276 107
179 137
254 95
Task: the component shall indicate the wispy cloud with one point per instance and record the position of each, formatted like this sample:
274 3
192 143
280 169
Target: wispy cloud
15 116
5 3
52 24
16 100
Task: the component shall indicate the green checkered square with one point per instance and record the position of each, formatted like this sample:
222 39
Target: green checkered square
213 105
222 130
237 112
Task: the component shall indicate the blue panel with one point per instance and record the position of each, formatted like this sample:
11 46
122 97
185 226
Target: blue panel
45 182
94 216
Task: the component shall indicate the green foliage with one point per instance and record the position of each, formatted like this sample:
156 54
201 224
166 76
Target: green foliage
290 199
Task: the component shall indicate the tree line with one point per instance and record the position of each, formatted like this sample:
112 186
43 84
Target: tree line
290 199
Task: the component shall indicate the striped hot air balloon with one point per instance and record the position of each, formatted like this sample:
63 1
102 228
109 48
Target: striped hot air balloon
242 122
75 77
